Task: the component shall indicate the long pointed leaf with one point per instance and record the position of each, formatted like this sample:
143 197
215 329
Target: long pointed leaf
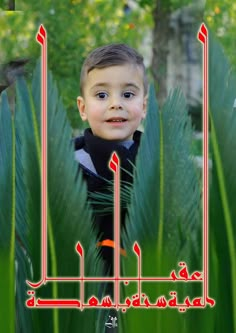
222 95
69 218
7 217
165 209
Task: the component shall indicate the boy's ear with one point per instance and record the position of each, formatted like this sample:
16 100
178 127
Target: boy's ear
145 101
81 107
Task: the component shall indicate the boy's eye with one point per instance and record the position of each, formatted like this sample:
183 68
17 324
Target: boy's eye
128 94
101 95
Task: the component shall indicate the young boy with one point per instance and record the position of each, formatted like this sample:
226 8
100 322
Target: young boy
113 100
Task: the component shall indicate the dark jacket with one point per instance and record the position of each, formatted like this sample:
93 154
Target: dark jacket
99 180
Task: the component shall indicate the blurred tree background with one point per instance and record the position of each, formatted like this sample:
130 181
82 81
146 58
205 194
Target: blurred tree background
7 4
220 16
75 27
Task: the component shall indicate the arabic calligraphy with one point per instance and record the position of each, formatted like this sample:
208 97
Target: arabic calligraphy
41 38
203 38
130 302
139 299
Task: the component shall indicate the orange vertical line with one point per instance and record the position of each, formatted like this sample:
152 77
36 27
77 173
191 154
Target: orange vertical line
139 275
44 159
206 184
82 281
117 231
203 37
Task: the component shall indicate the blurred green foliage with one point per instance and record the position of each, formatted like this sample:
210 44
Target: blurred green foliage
220 16
7 4
74 28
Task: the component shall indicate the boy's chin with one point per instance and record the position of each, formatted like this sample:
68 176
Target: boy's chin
113 136
116 138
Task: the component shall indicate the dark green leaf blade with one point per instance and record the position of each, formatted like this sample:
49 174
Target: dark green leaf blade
222 94
7 217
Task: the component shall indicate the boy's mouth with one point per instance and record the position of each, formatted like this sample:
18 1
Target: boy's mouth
116 120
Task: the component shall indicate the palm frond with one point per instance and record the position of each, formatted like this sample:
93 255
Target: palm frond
7 216
164 214
166 190
69 219
222 94
184 205
147 182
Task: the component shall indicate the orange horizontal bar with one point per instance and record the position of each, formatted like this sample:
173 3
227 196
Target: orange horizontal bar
110 243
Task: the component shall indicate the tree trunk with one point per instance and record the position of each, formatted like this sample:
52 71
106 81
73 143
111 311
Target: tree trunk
11 4
161 32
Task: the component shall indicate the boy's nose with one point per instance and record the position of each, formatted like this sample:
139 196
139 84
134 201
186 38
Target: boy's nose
116 104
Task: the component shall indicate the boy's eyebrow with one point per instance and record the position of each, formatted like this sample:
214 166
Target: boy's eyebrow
131 84
125 85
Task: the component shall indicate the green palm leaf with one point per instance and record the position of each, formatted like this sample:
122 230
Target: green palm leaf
222 95
164 212
7 216
159 200
184 185
69 217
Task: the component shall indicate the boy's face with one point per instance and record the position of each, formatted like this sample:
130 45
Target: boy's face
113 103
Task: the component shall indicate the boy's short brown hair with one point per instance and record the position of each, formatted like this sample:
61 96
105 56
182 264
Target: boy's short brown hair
112 55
